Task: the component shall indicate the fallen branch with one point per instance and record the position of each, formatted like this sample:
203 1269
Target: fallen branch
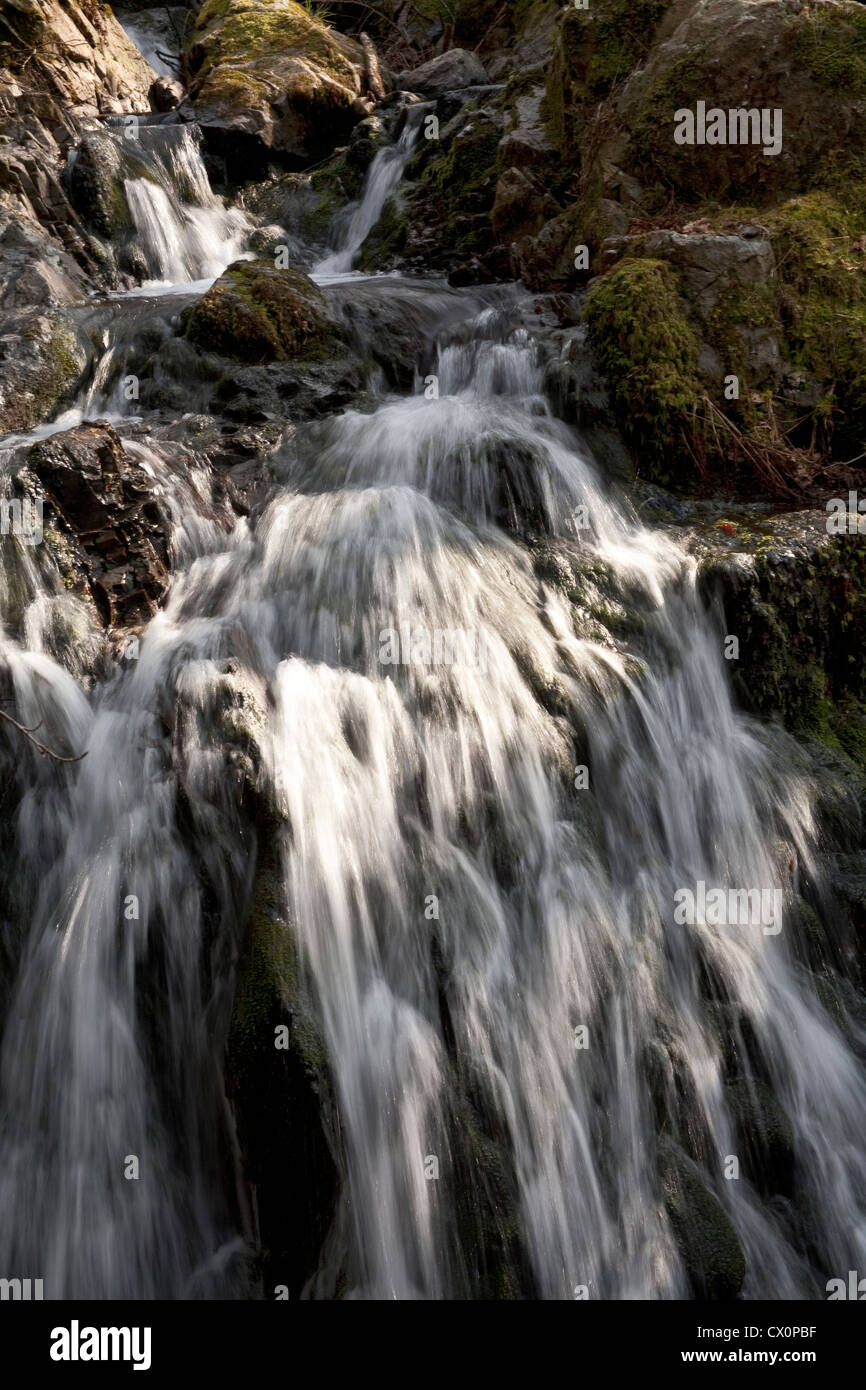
40 747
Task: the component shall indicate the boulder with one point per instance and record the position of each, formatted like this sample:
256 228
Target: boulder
114 511
43 357
270 75
805 62
166 94
710 1248
447 72
258 313
518 207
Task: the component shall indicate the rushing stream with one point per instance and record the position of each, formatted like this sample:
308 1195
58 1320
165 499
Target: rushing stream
463 905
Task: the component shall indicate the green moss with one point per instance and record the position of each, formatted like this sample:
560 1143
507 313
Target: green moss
648 351
596 50
831 45
458 185
247 31
257 313
820 248
388 240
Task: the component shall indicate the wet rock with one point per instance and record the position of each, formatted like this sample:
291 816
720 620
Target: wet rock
114 511
281 1096
43 357
765 1137
257 313
269 75
35 269
447 72
792 595
709 1245
96 184
166 94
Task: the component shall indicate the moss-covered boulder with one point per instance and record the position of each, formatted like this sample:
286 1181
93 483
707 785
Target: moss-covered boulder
793 594
43 357
258 313
649 352
805 62
273 75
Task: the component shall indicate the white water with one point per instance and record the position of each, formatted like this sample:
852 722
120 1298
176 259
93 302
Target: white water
395 783
382 179
186 233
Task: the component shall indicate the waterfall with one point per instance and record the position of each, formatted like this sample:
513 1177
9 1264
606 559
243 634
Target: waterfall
460 904
491 940
186 234
382 179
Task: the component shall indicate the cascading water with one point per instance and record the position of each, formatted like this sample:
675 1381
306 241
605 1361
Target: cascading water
382 178
186 234
464 908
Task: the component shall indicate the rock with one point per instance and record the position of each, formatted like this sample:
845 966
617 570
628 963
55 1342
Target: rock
166 94
526 143
790 593
265 240
257 313
709 1245
281 1097
96 184
84 58
35 270
43 357
711 267
450 71
805 62
115 511
268 75
518 207
765 1138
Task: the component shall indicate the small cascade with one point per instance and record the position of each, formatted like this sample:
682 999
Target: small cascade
382 178
186 234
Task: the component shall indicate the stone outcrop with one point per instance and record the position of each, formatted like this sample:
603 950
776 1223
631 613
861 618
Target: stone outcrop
446 72
268 75
113 512
43 356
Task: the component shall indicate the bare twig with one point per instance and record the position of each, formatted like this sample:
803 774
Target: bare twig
40 747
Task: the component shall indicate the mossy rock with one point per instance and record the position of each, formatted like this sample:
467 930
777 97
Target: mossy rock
648 350
596 49
765 1138
710 1247
43 358
257 313
807 62
273 72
